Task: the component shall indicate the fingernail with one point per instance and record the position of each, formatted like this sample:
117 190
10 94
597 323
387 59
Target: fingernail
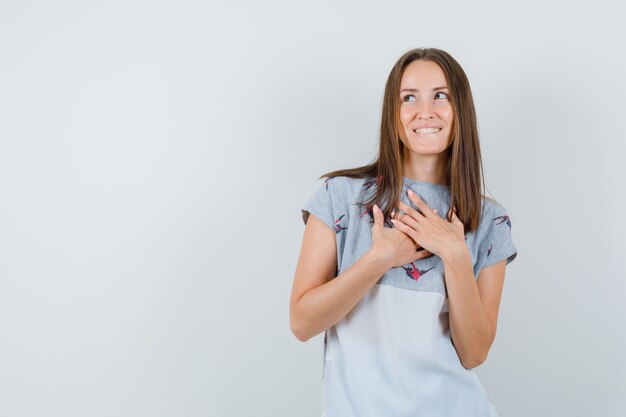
410 191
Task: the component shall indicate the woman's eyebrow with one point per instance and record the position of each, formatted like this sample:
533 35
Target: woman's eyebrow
415 89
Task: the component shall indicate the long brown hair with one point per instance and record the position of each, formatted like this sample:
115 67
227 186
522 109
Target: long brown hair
464 171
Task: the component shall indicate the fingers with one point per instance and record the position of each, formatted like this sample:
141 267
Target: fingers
420 204
409 210
409 219
403 227
453 216
379 218
422 254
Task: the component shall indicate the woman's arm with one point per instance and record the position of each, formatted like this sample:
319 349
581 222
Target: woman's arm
317 300
473 306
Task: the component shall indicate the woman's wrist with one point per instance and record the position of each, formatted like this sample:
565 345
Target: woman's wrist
455 253
377 261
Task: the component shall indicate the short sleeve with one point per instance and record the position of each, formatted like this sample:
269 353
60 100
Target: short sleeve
497 243
321 205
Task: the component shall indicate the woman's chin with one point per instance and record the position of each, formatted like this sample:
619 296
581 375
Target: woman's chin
426 149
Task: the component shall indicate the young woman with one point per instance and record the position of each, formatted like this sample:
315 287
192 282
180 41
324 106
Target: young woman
403 260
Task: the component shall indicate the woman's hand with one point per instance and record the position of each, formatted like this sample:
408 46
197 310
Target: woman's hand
392 245
427 229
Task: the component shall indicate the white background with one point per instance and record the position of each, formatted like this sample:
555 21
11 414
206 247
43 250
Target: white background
154 157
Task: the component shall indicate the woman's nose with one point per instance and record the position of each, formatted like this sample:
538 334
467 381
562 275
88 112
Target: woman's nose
425 110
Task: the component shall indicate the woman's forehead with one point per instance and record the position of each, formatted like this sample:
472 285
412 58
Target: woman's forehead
423 76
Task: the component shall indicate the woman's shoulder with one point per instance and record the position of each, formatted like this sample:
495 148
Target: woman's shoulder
346 185
491 205
492 211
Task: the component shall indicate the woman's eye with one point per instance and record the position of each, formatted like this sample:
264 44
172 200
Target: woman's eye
441 93
406 98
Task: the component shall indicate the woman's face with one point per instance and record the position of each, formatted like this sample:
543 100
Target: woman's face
425 105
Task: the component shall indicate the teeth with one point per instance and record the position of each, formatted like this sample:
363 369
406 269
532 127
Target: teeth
428 130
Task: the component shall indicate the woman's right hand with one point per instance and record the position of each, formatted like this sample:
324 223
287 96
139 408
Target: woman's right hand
392 245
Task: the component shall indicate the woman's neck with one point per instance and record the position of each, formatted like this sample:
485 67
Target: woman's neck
426 171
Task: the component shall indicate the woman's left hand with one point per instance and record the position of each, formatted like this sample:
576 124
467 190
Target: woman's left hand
427 229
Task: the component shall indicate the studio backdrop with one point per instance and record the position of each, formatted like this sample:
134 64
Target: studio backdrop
154 158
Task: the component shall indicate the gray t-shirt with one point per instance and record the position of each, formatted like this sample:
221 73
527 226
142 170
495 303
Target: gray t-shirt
392 354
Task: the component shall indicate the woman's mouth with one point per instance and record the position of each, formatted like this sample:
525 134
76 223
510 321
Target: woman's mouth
425 131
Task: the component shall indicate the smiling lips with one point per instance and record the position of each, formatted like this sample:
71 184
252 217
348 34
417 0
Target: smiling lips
427 130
